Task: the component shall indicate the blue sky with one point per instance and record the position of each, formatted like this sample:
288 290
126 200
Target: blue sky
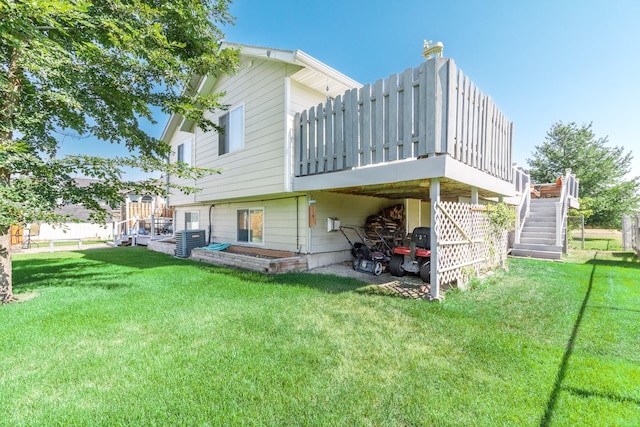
541 62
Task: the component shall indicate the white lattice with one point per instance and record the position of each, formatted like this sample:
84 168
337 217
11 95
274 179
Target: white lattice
466 243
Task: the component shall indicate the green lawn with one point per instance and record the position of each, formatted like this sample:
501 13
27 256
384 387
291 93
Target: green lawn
126 336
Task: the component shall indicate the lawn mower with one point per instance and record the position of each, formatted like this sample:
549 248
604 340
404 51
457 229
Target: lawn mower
365 258
416 258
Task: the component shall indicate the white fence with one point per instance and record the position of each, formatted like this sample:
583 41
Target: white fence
431 110
631 233
74 230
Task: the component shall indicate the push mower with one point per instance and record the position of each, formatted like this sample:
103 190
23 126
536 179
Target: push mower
365 258
413 259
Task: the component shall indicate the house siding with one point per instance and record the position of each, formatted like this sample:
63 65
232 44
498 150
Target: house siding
280 220
256 168
350 210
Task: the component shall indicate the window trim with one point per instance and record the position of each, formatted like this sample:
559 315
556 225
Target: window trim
249 230
184 152
191 219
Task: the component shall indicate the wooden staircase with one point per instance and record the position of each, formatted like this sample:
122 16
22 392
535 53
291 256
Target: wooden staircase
538 235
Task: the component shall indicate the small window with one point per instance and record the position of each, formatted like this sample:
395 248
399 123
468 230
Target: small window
184 153
231 137
250 225
192 220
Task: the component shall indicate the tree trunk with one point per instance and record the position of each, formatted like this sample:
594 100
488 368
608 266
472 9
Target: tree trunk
6 289
7 110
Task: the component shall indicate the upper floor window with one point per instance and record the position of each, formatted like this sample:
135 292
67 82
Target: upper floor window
184 153
232 131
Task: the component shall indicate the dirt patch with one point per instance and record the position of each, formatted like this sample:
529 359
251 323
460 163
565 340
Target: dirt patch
599 233
27 296
259 252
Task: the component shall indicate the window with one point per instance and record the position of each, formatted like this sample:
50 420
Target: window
231 135
250 225
184 153
192 220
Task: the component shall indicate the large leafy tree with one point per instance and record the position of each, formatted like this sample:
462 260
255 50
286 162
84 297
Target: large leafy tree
605 185
96 67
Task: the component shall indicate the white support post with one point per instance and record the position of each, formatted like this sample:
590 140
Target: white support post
474 195
435 199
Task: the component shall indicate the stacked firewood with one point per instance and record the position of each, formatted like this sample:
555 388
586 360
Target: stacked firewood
386 230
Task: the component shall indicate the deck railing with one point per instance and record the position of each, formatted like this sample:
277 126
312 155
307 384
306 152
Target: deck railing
430 110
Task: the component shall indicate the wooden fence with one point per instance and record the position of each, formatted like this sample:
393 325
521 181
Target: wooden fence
431 110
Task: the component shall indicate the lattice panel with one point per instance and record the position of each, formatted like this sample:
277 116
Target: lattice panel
466 244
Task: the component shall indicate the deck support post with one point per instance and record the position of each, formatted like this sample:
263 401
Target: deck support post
435 199
474 195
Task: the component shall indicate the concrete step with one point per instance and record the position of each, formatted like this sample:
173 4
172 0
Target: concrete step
539 222
543 212
536 229
537 247
538 240
536 254
538 232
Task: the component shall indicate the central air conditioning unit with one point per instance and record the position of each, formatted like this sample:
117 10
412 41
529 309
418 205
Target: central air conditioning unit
186 240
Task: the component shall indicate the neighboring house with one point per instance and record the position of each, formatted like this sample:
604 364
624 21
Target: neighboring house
142 218
305 145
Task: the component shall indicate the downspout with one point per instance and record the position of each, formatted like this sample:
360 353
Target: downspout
210 228
298 248
308 228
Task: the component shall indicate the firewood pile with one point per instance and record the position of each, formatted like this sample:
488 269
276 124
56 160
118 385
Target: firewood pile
386 229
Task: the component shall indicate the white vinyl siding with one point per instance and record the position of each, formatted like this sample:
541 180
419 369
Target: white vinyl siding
258 168
343 207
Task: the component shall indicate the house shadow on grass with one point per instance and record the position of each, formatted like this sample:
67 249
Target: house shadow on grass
624 262
90 270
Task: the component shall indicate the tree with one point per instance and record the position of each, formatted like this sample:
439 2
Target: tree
96 68
602 170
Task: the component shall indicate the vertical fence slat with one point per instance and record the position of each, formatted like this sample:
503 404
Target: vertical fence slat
312 141
392 117
450 105
422 110
365 140
378 122
321 157
473 161
329 146
407 111
304 148
339 144
459 114
352 124
297 141
429 120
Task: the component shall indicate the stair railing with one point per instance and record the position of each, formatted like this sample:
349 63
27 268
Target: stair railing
568 196
522 183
